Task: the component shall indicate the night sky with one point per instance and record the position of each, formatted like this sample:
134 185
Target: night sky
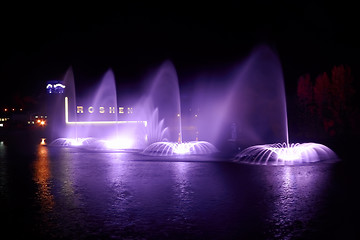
39 43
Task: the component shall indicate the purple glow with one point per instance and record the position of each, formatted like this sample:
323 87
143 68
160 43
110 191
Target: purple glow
248 105
162 108
120 143
160 104
72 142
186 148
247 108
99 130
159 110
283 154
93 144
264 115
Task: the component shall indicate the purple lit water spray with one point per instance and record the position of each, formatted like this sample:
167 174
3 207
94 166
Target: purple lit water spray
244 104
251 100
259 92
163 96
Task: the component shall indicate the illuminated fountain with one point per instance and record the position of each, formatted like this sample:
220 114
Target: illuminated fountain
246 109
163 101
285 154
97 122
72 142
174 148
257 96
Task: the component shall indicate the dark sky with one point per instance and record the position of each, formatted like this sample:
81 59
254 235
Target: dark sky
39 43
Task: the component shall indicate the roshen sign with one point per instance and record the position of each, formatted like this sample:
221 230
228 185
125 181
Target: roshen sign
92 110
111 110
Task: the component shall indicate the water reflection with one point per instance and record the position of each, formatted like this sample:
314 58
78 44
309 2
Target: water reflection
296 194
42 176
65 175
3 169
182 190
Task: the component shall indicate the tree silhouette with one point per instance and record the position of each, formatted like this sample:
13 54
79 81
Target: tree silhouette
342 97
322 100
305 91
331 101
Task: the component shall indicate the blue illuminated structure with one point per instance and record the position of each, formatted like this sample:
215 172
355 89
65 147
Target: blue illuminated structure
55 87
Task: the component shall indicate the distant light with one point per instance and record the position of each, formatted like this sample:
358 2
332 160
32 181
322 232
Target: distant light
1 125
43 141
5 109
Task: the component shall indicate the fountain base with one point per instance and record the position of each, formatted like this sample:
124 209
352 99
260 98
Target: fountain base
285 154
185 148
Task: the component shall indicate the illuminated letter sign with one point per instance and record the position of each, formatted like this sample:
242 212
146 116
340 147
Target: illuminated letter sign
80 109
111 109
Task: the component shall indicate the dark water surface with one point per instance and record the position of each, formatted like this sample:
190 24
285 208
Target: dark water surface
62 193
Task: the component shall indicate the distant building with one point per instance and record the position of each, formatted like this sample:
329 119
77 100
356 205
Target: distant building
56 91
55 86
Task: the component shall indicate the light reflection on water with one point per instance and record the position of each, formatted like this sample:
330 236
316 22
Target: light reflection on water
3 169
183 191
42 176
297 192
84 195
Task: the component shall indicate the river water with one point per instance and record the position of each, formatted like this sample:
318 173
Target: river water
64 193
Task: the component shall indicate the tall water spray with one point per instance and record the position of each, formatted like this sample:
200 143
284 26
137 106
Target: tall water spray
56 110
104 97
259 92
257 99
247 108
245 104
93 121
163 100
